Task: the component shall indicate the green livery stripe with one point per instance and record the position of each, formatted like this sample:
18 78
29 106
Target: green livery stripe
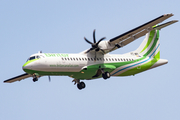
157 56
154 44
141 68
151 36
30 62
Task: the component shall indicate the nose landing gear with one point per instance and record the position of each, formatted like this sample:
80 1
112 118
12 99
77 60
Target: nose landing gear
35 77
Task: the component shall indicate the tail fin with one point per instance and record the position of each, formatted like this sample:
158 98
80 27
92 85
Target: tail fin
151 46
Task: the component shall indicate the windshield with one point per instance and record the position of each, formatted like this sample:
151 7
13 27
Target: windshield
35 57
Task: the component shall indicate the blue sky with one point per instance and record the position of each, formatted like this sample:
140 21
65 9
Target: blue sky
59 26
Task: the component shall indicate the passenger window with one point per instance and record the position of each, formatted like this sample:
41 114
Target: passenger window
112 59
74 59
85 59
79 58
92 59
106 59
109 59
62 58
89 59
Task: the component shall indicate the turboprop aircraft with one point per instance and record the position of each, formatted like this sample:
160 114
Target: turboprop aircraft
96 62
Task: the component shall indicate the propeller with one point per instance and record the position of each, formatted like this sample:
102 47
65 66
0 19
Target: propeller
95 44
49 78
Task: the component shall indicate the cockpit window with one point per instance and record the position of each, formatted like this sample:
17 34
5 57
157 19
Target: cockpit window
31 58
35 57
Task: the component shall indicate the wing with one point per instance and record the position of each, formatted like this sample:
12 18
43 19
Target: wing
127 37
137 32
17 78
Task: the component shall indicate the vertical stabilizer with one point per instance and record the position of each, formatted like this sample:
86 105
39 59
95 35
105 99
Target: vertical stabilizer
150 46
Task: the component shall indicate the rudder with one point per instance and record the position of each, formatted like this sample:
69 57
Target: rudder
150 46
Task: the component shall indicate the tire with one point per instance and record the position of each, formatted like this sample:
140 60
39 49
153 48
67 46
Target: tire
35 79
81 85
106 75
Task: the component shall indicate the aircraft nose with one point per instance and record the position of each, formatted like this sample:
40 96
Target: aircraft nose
26 66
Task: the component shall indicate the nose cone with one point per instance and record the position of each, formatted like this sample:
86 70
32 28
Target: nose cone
26 66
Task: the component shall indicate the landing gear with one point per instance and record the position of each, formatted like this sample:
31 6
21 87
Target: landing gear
35 79
106 75
80 85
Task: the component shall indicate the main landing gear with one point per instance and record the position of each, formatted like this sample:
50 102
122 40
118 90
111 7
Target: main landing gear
106 75
80 85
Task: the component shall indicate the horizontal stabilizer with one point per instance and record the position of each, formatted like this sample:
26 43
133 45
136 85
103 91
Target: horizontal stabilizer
17 78
159 27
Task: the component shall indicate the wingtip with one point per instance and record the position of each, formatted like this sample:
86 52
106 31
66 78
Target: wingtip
170 14
175 20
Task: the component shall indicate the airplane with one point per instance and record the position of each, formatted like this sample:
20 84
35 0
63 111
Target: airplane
96 62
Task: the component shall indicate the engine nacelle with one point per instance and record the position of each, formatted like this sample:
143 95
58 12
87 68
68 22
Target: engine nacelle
107 47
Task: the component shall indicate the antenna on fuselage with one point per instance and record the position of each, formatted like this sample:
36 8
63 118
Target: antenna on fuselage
39 51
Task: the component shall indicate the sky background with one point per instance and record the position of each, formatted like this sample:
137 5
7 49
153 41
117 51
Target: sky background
59 26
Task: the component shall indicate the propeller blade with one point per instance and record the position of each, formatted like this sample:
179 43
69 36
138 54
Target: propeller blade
94 38
88 41
49 78
90 50
95 55
100 40
102 50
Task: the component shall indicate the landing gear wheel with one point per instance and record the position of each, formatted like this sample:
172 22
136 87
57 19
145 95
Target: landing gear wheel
35 79
81 85
106 75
